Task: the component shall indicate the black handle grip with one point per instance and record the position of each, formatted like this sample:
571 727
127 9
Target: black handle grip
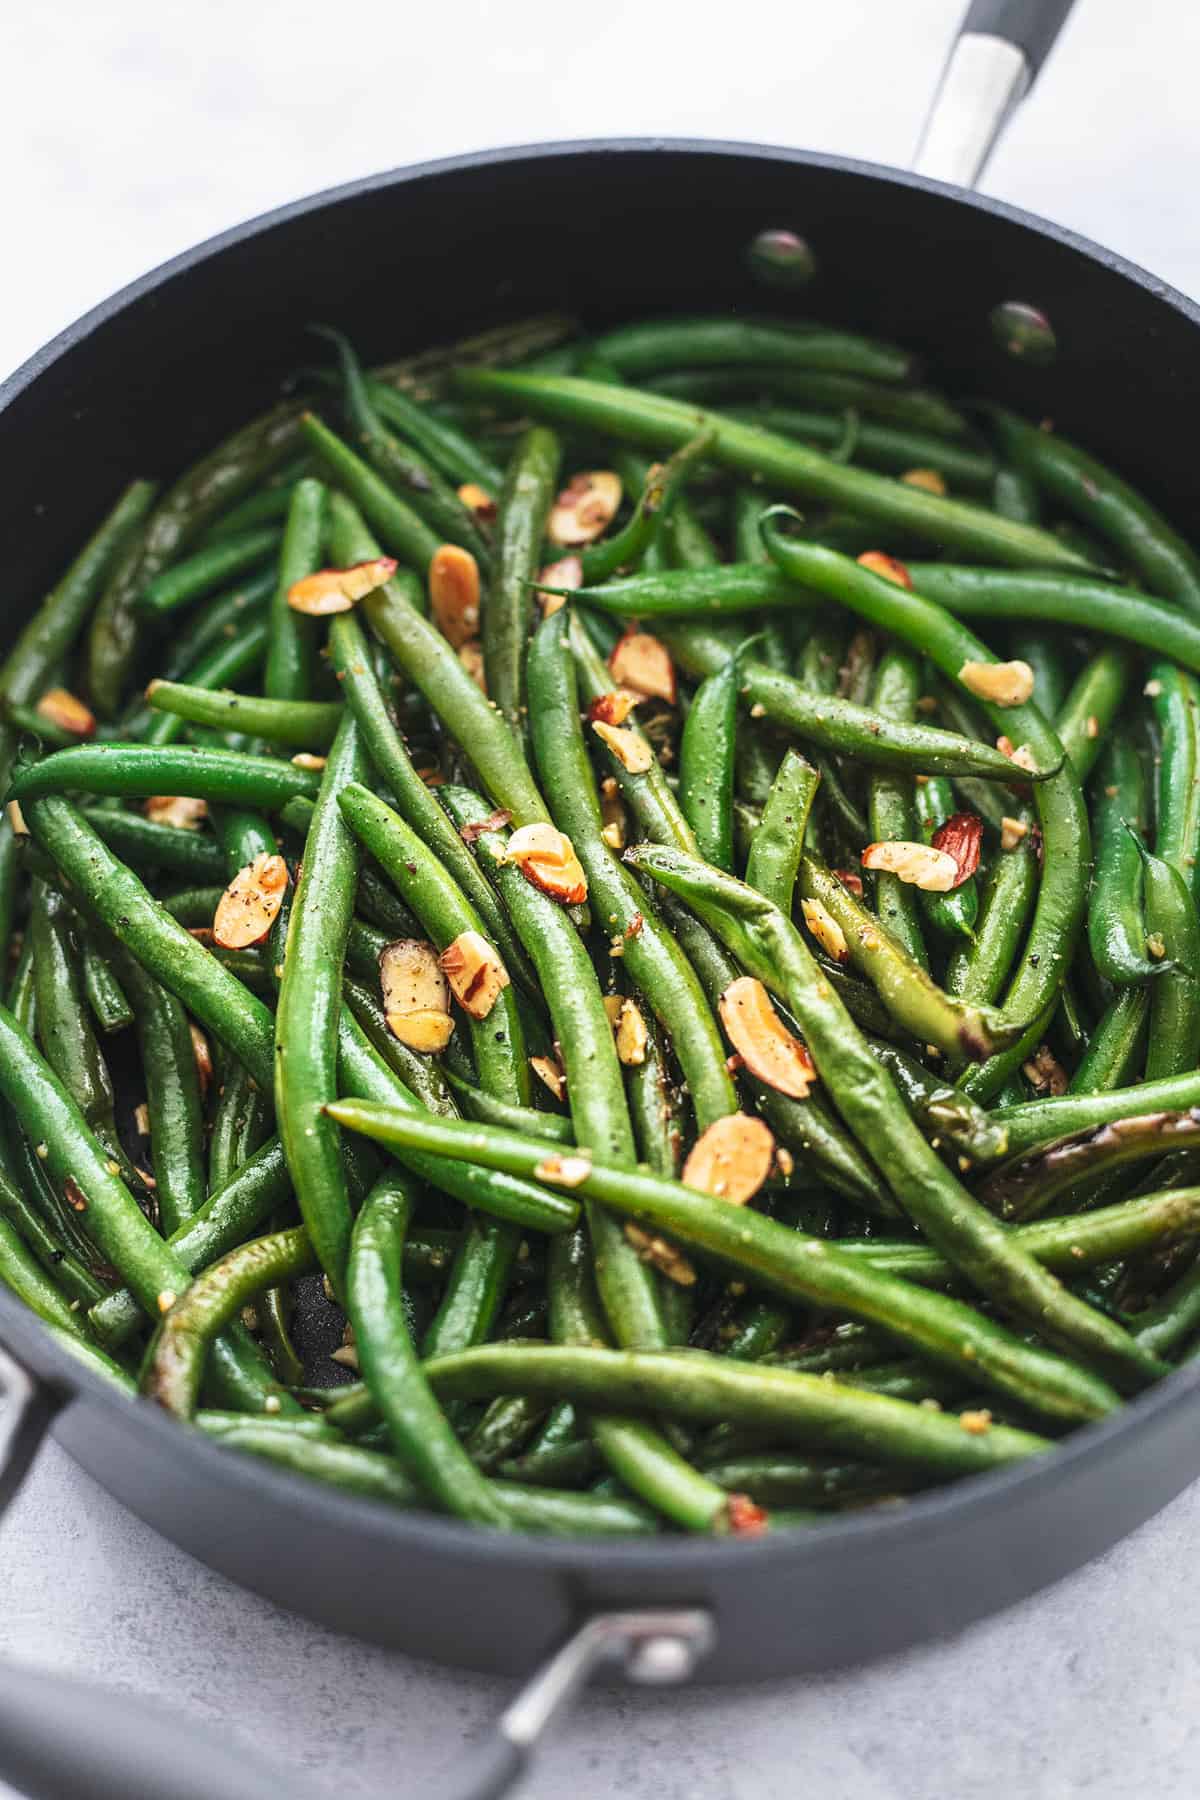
1032 25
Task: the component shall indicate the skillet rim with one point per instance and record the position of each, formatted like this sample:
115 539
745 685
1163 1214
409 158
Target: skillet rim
976 1497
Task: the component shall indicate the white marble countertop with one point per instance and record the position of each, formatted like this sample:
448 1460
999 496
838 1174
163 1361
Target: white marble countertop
131 130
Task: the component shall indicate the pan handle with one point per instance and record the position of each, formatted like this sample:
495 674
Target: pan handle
655 1647
1000 47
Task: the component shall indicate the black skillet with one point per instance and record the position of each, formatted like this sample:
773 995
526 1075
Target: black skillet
607 230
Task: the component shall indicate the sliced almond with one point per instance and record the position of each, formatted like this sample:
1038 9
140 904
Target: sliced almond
642 662
308 759
478 500
1045 1073
889 567
661 1255
934 871
927 479
551 1074
69 713
564 1171
613 708
202 1054
612 1006
470 655
731 1159
250 904
416 995
567 572
826 930
961 836
546 858
1012 831
475 971
585 508
746 1517
16 819
336 590
851 880
628 746
178 810
454 593
495 821
1003 683
632 1035
761 1039
1023 758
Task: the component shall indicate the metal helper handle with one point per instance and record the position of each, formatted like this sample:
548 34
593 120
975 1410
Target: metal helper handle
1000 47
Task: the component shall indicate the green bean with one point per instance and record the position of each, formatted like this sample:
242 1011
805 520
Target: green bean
1031 1183
136 771
172 1095
640 417
1175 701
1116 1050
146 845
893 449
662 484
504 1430
919 407
269 504
524 507
294 724
22 1275
977 973
1091 706
230 659
1173 1045
420 1074
1116 917
458 457
208 568
897 688
650 956
706 761
944 1113
777 845
1105 503
109 1005
197 498
63 1028
556 1128
770 947
655 344
218 621
240 1125
954 913
403 530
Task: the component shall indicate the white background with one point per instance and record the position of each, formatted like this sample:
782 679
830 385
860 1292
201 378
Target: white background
128 131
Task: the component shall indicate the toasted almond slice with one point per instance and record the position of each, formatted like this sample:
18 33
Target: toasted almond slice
889 567
628 746
1003 683
551 1074
475 971
632 1036
564 1171
202 1054
826 930
1012 831
928 479
250 904
585 508
346 1355
851 879
308 759
141 1119
1023 758
746 1517
762 1040
567 572
16 819
416 995
731 1159
934 871
612 1006
178 810
642 662
546 858
613 708
454 593
470 655
661 1255
961 836
63 709
495 821
1045 1073
336 590
478 500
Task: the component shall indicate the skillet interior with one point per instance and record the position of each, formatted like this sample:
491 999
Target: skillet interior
148 380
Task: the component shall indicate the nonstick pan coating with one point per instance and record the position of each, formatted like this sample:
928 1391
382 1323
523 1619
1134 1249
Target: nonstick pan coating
607 231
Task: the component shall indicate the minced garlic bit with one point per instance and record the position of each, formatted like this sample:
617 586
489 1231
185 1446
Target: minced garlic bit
167 1299
933 871
346 1354
308 759
1044 1072
1153 689
825 928
141 1119
632 1035
1002 683
976 1422
763 1042
928 479
416 995
564 1171
732 1159
1156 945
1012 831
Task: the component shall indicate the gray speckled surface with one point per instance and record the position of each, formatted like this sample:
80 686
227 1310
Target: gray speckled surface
137 128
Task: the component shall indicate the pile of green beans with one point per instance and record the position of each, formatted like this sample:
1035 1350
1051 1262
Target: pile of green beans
790 1092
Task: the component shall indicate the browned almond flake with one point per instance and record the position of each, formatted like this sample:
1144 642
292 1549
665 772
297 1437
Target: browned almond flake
203 934
632 1035
470 655
546 857
961 836
927 703
346 1355
73 1194
308 759
614 708
661 1255
181 811
851 879
564 1171
478 500
64 709
1092 728
785 1162
761 1039
825 929
928 479
933 871
336 590
585 508
16 819
642 662
475 971
1001 683
567 572
976 1422
746 1517
551 1074
1012 831
494 822
416 995
889 568
1045 1073
202 1054
141 1119
454 593
732 1159
1156 945
629 747
250 904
